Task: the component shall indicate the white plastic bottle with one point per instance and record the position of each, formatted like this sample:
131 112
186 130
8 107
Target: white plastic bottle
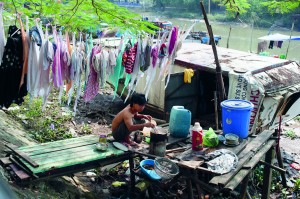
197 133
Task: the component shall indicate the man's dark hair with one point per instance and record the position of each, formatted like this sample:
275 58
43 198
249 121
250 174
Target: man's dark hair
138 98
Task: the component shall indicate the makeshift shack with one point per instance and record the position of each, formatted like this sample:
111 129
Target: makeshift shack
271 84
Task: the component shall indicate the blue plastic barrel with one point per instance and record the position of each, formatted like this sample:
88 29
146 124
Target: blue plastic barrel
180 121
236 117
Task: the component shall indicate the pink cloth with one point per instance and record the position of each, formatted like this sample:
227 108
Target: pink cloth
56 67
92 86
154 55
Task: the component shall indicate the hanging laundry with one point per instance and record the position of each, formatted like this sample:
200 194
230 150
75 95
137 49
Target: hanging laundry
34 72
162 51
25 43
112 61
173 43
2 34
147 58
130 59
128 46
11 69
57 66
154 55
77 65
271 44
136 69
279 44
188 74
262 46
100 62
92 86
114 78
47 60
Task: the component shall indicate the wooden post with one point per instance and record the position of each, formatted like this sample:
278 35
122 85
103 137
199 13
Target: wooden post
244 187
216 110
227 45
132 175
278 153
267 175
252 24
220 83
287 50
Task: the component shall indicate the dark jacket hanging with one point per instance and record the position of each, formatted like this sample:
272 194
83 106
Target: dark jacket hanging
11 69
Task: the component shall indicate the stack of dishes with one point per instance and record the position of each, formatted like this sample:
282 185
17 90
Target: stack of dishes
231 139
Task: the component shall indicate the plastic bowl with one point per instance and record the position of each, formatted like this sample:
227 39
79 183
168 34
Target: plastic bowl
231 138
165 168
150 173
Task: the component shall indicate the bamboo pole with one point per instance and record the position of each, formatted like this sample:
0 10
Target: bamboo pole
220 83
287 50
227 45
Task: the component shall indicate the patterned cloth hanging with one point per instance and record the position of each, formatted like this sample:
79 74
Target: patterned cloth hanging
11 69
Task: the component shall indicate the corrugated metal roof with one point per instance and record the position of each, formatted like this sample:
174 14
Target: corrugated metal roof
280 78
276 75
200 56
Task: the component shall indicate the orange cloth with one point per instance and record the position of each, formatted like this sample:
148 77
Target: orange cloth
25 52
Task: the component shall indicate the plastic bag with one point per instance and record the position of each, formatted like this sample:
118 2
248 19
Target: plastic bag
210 138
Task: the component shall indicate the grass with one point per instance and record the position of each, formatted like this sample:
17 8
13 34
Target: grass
44 126
291 134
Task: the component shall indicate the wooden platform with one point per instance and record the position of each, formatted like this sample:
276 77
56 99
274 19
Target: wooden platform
65 156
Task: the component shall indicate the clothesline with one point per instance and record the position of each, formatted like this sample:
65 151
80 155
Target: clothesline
39 64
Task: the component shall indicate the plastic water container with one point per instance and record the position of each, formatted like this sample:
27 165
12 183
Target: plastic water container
236 117
180 121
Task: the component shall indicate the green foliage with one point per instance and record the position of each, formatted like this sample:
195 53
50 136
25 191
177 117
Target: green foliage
273 6
86 129
291 134
43 126
281 6
258 177
235 6
80 15
297 185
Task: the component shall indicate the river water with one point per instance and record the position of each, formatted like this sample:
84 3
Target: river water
240 37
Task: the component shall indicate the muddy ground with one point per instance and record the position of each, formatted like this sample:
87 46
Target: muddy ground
97 183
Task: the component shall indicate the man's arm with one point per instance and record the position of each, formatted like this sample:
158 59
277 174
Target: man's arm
141 116
133 127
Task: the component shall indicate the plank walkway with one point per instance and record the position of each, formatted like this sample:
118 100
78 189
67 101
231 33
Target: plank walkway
60 155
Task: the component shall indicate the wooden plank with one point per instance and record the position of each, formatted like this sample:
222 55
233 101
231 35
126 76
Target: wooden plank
244 156
59 144
259 155
75 155
21 154
267 179
5 161
80 159
62 148
238 149
246 169
22 175
64 154
173 140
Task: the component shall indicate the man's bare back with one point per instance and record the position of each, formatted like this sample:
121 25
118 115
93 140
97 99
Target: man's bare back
124 115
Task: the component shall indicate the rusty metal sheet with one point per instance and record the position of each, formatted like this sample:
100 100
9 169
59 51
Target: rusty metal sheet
200 56
281 78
